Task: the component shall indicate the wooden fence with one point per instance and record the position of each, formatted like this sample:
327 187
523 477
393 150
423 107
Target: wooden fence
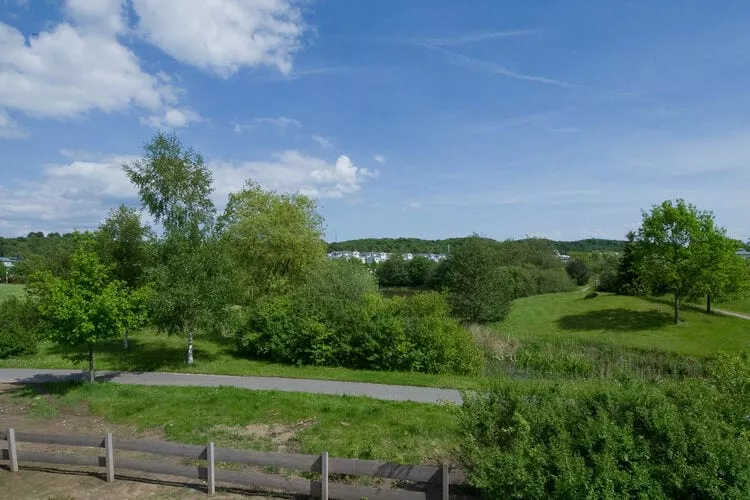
423 482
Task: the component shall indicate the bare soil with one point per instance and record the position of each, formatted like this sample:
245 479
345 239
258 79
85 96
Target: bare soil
57 482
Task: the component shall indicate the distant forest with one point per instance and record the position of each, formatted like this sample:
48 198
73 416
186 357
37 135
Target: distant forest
36 245
416 245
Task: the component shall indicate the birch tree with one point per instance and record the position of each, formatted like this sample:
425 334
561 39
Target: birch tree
175 187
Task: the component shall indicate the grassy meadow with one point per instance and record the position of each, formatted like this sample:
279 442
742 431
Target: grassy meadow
8 290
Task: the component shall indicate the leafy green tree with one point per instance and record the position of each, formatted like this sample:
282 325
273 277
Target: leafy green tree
629 280
420 270
723 273
393 272
175 186
274 239
85 307
123 242
578 271
674 241
478 290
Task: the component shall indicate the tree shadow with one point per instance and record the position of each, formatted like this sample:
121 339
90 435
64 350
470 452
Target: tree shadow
153 355
616 320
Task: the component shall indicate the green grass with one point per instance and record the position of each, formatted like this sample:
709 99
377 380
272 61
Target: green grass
152 352
622 322
344 426
740 305
8 290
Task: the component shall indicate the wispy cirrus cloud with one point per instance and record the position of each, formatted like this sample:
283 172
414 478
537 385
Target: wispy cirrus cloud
459 39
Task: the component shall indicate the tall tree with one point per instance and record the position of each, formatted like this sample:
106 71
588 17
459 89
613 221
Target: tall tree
629 281
175 186
274 239
86 306
123 242
673 240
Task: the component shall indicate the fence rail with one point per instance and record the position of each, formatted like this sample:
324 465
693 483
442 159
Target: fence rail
428 482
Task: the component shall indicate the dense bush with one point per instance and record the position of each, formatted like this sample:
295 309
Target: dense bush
611 439
591 295
339 319
18 327
578 271
551 280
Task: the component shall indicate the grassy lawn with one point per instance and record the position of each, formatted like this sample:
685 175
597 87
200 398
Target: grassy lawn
740 306
151 352
624 322
343 426
7 290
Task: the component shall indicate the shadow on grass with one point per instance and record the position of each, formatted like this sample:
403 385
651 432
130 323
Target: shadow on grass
153 355
616 320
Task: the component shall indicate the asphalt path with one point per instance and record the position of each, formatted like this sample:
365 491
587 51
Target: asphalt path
310 386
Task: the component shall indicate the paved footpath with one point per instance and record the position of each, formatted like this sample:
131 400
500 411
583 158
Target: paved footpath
312 386
731 313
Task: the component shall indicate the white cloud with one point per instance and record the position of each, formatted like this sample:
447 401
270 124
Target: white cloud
222 36
324 142
73 69
379 158
104 16
292 171
282 122
71 195
172 118
9 129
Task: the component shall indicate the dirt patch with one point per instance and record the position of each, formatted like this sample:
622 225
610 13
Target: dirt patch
282 437
48 482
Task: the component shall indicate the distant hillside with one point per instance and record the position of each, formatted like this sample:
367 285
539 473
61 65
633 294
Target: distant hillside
417 245
36 245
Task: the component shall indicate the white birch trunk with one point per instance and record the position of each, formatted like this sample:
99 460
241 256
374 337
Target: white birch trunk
190 348
125 340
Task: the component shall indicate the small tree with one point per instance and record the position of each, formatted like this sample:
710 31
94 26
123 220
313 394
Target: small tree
723 273
578 271
394 271
85 307
420 270
478 290
123 242
274 240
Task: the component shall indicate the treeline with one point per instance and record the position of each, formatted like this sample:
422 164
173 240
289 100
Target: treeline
36 244
417 245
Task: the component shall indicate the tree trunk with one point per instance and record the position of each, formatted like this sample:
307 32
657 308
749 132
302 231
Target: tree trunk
125 339
91 361
190 347
676 307
708 303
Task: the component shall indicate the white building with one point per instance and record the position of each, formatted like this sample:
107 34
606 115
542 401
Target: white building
743 253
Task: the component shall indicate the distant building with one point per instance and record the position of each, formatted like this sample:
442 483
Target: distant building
743 253
564 258
9 261
378 257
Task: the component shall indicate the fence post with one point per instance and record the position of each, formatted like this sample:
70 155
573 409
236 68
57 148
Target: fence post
211 468
12 454
324 475
109 457
446 476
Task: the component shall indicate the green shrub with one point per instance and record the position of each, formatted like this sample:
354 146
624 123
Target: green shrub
339 319
591 295
551 280
18 327
578 271
606 439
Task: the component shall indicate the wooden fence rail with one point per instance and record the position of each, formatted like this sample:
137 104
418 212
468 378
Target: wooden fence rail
426 482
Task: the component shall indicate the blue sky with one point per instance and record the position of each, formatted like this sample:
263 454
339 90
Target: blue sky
424 118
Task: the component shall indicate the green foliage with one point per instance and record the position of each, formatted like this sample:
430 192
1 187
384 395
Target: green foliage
394 272
578 271
477 289
87 306
18 327
680 248
175 185
338 319
591 295
421 270
274 239
416 245
629 281
608 439
125 244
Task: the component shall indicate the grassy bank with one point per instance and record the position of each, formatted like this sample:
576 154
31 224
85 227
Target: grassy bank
266 420
149 351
